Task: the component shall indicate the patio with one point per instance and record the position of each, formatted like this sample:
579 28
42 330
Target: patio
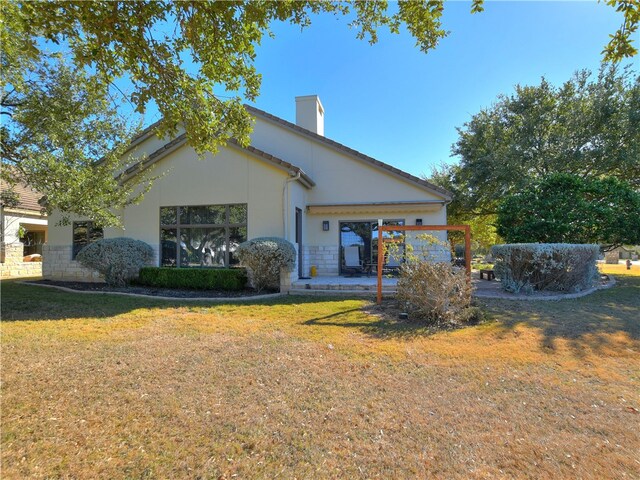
362 284
366 285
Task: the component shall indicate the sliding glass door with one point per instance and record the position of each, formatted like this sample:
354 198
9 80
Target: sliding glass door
364 235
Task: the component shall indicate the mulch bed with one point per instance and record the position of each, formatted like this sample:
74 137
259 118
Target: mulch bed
153 291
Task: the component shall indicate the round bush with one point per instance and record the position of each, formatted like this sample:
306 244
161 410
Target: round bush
118 259
265 257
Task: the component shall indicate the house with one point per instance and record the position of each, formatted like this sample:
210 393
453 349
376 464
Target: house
23 231
291 182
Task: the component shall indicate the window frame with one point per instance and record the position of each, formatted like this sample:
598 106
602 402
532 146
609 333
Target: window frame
178 226
90 228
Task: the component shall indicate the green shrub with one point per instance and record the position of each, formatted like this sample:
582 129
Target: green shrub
194 278
266 257
564 267
118 259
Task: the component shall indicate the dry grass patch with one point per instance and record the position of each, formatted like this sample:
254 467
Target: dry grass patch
113 387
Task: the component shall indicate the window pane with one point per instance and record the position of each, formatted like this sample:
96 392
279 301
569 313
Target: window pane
238 213
80 236
216 214
237 235
168 247
212 214
168 216
202 247
95 233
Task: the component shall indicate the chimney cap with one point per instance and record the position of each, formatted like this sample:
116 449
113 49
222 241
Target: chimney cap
307 98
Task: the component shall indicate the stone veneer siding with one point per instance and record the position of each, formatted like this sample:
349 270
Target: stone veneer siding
57 265
325 258
13 266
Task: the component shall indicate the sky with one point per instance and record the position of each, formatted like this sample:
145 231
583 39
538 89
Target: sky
401 106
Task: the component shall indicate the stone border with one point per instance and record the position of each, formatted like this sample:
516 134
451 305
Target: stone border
563 296
163 298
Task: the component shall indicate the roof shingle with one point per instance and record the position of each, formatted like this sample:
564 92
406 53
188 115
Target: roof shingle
28 198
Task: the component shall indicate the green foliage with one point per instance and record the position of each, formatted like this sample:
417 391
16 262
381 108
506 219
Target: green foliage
194 278
266 257
118 259
150 44
525 267
587 127
621 43
65 140
130 39
50 105
566 208
483 228
9 198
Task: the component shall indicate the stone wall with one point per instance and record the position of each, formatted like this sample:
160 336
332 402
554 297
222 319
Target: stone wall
12 264
57 265
325 258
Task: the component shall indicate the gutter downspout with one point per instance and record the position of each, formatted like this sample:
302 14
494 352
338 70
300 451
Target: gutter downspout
285 203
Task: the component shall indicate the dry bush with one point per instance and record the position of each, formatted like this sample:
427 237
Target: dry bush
433 291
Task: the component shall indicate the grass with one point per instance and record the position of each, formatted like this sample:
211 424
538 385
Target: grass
114 387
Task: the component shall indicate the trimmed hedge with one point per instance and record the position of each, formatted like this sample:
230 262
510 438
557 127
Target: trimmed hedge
560 267
194 278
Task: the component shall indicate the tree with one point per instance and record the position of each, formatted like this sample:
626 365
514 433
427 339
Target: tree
586 128
483 229
565 208
68 142
152 44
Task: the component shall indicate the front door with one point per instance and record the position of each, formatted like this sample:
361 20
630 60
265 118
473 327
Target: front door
299 240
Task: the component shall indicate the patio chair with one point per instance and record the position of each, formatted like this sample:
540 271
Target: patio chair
352 262
393 263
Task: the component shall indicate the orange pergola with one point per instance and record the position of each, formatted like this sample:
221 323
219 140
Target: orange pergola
395 228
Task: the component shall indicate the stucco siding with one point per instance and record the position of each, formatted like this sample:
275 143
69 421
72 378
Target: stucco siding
340 177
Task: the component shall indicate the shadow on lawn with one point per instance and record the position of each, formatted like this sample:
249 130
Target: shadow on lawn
384 328
32 303
585 322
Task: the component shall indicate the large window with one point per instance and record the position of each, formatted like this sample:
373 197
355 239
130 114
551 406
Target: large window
84 233
364 234
202 236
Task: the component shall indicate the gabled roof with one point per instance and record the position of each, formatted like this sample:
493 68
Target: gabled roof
351 152
181 140
28 198
150 130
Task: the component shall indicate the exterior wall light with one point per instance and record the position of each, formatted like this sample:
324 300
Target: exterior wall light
325 225
418 221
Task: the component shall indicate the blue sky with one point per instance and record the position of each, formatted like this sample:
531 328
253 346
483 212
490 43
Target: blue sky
402 106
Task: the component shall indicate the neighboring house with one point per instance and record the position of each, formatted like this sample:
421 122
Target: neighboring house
627 252
23 231
291 182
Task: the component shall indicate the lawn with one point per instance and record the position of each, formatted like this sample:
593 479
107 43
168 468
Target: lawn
308 387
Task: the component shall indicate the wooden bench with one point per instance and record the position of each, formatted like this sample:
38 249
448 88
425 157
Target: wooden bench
489 273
